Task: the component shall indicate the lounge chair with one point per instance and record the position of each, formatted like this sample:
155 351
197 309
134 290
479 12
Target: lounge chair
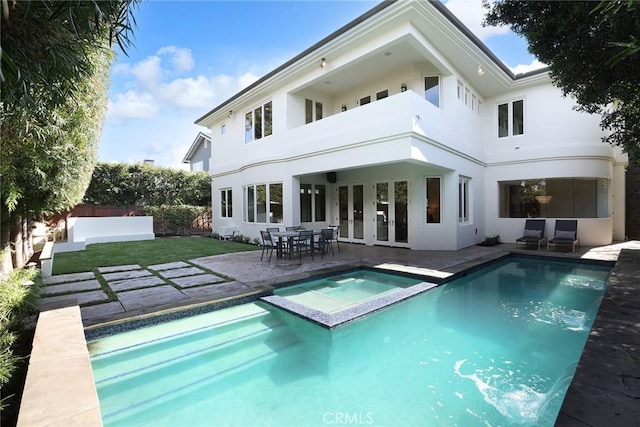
565 234
533 233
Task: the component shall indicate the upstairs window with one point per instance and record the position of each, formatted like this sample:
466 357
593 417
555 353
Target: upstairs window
258 123
432 90
313 110
511 118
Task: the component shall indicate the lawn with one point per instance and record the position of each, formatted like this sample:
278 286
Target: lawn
144 253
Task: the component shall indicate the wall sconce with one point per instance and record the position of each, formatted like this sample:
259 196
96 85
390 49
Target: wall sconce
403 87
323 63
230 113
344 107
480 70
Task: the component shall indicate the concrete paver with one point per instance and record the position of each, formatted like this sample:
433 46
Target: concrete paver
130 274
223 290
198 280
180 272
149 297
139 282
79 298
119 268
84 285
72 277
101 310
168 266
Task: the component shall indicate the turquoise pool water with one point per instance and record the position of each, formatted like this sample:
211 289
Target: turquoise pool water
497 347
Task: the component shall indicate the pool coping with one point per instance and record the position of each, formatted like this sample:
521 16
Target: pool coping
61 364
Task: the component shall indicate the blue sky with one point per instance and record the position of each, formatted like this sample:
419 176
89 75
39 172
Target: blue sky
189 56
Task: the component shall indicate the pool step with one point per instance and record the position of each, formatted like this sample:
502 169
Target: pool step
146 381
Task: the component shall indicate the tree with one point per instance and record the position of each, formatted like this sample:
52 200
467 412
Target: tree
593 55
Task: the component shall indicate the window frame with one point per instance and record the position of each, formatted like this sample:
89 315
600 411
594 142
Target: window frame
439 214
226 203
464 200
315 195
438 86
261 115
511 118
260 208
313 105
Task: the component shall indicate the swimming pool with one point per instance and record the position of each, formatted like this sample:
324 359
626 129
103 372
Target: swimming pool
496 347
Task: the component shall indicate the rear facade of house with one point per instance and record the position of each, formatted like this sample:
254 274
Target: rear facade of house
405 130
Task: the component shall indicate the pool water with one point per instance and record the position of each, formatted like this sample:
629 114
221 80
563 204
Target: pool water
497 347
339 292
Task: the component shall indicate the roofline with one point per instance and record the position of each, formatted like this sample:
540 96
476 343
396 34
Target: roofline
192 148
375 10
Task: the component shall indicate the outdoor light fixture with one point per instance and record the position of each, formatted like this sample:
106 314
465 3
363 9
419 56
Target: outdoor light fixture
323 63
480 70
403 87
344 107
230 113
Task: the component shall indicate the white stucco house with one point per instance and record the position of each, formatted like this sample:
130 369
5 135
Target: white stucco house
404 129
199 154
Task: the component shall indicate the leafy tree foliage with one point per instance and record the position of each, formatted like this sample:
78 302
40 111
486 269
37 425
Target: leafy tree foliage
593 53
120 184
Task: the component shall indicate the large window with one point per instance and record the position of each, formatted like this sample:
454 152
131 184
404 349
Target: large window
432 90
555 198
258 123
313 110
434 201
313 203
226 203
263 203
511 118
463 199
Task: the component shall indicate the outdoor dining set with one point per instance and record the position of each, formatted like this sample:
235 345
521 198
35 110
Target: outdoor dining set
294 241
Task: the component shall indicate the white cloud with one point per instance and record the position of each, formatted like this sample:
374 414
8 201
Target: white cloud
131 105
148 72
523 68
471 13
247 79
180 57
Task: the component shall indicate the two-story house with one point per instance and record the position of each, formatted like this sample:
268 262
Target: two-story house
405 130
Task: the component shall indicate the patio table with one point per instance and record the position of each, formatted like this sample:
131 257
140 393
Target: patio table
289 235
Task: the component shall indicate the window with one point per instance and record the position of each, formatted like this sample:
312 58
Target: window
312 110
474 101
313 202
433 200
223 129
365 100
226 203
554 198
258 123
259 197
460 90
463 199
432 90
467 96
511 118
382 94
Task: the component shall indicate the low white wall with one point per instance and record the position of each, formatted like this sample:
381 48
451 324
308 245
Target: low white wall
110 229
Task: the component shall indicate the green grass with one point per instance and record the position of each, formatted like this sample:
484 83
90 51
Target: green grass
144 253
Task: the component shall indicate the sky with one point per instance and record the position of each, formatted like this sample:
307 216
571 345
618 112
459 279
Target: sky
188 56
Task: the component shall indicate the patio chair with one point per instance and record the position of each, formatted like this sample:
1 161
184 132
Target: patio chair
533 233
303 243
336 233
273 229
324 241
291 228
565 234
268 245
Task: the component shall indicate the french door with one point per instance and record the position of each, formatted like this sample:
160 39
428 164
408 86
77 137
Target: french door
392 213
351 213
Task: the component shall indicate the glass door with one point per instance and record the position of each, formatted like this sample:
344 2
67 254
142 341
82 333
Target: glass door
392 213
351 212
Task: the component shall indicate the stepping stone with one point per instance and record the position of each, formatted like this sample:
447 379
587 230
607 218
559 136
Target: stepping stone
169 266
201 279
119 268
140 282
149 297
218 291
85 285
79 298
132 274
100 310
180 272
72 277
